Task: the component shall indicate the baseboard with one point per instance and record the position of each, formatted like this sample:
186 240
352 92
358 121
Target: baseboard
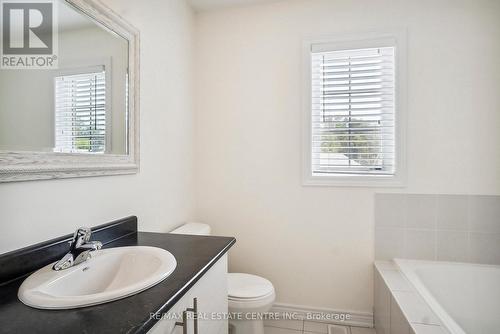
324 315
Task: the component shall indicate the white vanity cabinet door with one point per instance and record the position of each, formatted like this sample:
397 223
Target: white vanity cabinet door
167 324
211 294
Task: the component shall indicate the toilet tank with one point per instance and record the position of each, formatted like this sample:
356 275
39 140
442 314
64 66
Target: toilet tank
193 228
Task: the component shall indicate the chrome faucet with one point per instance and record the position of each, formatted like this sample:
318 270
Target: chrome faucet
79 251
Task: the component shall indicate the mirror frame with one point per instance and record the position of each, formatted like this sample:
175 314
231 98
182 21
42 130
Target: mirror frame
27 165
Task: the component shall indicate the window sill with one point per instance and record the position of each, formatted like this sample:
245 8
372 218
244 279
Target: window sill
377 181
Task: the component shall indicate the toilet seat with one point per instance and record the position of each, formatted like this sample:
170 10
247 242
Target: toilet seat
251 305
249 293
247 287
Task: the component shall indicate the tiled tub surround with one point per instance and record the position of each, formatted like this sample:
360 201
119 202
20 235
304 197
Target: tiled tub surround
398 308
463 228
431 297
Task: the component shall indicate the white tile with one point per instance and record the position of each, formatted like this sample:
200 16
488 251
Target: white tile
452 212
452 246
362 330
276 330
485 247
315 327
285 323
399 324
389 243
427 329
420 245
337 329
415 308
484 214
395 280
382 305
422 210
390 210
383 264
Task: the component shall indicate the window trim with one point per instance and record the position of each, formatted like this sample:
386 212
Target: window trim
357 41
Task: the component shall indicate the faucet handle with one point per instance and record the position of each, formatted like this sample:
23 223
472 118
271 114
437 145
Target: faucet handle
79 249
81 236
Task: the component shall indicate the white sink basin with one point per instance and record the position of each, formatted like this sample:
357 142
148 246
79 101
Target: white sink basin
110 274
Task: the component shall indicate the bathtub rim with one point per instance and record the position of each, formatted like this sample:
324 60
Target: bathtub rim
397 286
407 269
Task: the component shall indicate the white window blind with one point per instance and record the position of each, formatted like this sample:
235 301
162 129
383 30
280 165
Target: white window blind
353 112
80 110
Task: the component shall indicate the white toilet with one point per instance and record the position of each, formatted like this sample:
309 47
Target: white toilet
249 296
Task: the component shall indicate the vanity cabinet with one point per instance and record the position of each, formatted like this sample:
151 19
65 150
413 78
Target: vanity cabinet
210 295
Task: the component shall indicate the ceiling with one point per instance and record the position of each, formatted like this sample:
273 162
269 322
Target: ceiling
203 5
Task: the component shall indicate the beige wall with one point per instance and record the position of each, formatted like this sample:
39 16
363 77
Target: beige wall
162 193
316 244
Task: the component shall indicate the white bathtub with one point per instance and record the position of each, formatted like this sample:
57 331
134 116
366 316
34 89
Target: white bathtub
466 297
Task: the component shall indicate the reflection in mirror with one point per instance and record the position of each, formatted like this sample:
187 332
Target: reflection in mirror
80 107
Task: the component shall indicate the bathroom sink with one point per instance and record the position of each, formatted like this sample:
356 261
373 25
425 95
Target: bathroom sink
109 275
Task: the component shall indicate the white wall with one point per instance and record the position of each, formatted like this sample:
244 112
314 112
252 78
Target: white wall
316 244
162 194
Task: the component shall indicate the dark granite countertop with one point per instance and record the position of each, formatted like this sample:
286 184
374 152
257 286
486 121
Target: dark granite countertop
194 255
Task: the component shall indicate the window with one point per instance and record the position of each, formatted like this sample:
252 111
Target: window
352 112
80 112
